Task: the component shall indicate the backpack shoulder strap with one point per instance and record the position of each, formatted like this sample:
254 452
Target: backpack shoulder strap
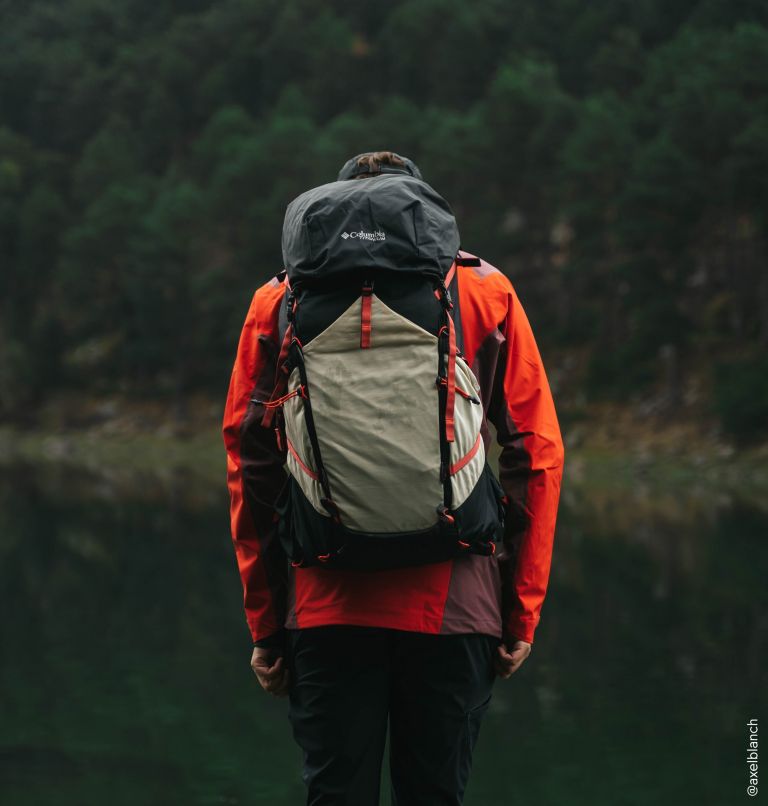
452 284
282 319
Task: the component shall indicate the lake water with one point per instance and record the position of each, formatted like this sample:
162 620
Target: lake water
125 672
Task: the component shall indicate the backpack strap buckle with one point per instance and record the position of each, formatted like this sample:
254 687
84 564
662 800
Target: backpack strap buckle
331 508
445 515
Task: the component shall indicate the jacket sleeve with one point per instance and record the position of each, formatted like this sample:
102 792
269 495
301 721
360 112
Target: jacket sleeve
255 473
530 470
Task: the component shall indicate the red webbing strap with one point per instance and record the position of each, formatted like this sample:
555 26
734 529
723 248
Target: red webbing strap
450 397
449 276
281 377
459 391
365 316
467 458
311 473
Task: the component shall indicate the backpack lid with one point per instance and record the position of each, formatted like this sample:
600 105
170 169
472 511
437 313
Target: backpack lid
388 222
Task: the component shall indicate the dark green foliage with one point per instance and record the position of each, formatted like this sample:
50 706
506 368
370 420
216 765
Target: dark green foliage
741 398
611 157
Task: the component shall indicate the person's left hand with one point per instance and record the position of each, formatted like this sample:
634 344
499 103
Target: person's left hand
508 661
269 667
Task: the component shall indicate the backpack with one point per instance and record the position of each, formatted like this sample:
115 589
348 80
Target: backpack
376 411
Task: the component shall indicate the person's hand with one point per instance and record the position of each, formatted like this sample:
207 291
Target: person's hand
508 661
269 667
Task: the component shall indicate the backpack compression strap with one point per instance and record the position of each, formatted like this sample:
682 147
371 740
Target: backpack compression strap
450 325
447 350
326 500
450 400
281 370
292 355
446 382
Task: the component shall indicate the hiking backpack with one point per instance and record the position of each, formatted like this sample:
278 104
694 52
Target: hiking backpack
377 412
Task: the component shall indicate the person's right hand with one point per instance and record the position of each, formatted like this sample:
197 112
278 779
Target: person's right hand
508 661
269 667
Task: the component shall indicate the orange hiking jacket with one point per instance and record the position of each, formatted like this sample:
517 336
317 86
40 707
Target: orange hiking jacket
500 595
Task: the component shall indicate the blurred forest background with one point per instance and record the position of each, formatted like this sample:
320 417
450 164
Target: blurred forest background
610 157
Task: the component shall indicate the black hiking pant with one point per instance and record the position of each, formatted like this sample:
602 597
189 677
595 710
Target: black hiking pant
349 682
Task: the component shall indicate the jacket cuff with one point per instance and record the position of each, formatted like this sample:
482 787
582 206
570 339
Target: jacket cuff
275 640
519 631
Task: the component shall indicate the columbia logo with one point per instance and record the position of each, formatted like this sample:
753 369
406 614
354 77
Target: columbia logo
362 235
